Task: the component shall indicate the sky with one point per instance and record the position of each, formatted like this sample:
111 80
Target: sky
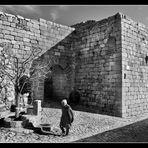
72 14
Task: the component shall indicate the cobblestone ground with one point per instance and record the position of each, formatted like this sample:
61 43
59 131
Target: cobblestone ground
136 132
85 125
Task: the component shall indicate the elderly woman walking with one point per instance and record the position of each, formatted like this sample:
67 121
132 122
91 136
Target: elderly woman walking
66 118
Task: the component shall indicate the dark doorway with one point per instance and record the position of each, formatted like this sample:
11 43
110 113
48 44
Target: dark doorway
48 92
55 87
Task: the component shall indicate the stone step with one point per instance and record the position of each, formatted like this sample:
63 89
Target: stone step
2 105
6 114
33 119
22 130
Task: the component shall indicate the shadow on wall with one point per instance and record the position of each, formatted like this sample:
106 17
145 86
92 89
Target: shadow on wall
73 99
76 107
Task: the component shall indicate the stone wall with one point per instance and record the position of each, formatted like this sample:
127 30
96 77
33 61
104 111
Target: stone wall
91 59
60 55
134 68
106 61
22 34
98 64
25 33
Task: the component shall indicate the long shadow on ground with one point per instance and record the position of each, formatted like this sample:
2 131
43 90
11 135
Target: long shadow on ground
38 130
136 132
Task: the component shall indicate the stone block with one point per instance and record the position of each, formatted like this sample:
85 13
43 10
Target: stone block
45 33
5 31
20 34
43 27
30 110
33 41
18 38
20 17
1 35
6 23
10 37
13 33
37 107
42 20
26 40
36 26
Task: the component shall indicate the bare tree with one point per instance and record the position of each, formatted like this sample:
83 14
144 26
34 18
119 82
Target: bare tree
13 65
5 87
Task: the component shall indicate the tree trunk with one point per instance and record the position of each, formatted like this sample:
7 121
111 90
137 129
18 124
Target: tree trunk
17 102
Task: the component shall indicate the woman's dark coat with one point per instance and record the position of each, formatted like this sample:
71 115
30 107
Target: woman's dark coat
67 116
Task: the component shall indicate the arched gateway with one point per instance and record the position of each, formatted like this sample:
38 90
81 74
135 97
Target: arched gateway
52 77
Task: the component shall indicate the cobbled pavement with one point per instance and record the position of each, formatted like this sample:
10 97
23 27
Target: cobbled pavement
86 124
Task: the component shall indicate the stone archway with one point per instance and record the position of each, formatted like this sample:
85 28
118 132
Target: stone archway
59 78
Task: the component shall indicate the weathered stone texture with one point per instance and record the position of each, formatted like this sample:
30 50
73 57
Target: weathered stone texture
58 67
108 64
91 59
134 68
106 61
98 64
30 33
24 34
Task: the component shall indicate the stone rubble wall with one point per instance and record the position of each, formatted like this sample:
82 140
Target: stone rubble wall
26 33
134 68
23 34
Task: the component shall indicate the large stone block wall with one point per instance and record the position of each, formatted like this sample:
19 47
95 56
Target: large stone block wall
134 68
98 64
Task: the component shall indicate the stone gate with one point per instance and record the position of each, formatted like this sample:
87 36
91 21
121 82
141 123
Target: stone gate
57 80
